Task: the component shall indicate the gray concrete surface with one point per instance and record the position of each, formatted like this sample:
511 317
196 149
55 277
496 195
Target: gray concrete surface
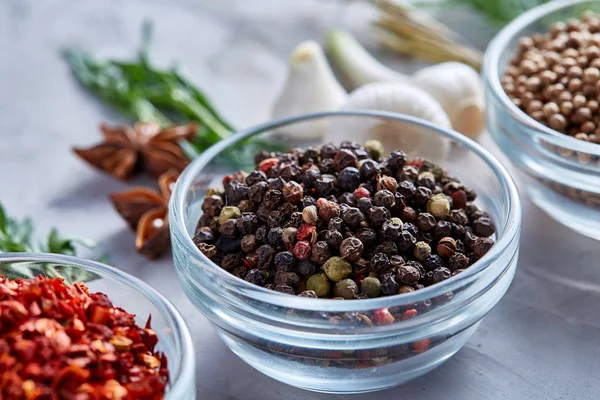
541 341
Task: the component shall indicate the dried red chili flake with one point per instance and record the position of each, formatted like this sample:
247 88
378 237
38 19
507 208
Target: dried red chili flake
62 341
415 162
383 317
421 346
268 163
408 314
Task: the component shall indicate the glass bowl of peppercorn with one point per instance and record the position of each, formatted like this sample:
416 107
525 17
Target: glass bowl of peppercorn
542 78
346 268
76 328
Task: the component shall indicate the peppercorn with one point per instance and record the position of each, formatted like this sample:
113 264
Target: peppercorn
482 246
368 169
306 268
384 198
292 192
446 247
422 251
458 217
397 160
407 189
239 272
432 262
440 274
266 255
228 245
408 173
377 215
310 215
422 195
235 191
256 277
483 227
379 261
276 183
231 261
387 183
406 241
257 191
320 252
371 287
212 205
309 293
286 278
336 268
389 286
375 148
352 216
204 234
405 289
426 222
346 288
289 236
271 199
227 213
207 249
426 179
302 250
439 206
349 179
458 261
285 261
408 274
329 210
344 158
319 284
351 249
442 229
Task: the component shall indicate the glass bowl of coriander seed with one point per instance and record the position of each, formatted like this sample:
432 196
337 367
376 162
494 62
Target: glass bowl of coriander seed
542 78
342 264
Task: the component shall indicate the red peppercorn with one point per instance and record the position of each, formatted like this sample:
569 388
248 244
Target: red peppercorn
383 317
361 192
302 250
268 163
421 346
459 198
415 162
408 314
321 201
305 231
359 279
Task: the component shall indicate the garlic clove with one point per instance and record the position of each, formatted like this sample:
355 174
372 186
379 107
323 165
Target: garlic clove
397 98
459 90
311 87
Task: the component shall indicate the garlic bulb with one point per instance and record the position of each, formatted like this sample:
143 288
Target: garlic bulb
456 86
311 86
459 90
397 98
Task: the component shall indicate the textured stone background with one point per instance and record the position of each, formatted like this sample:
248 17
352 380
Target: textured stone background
540 342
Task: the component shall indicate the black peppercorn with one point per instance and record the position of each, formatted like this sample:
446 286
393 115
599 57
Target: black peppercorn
212 205
328 150
231 261
406 241
275 184
266 254
349 179
284 289
408 274
257 191
335 223
409 214
412 228
347 198
325 166
426 222
384 198
422 195
272 198
389 248
432 262
396 160
255 177
334 238
407 189
344 158
482 246
324 186
458 261
458 231
203 235
235 191
351 249
364 203
285 261
377 215
247 223
367 236
390 231
442 229
458 217
320 252
379 262
228 245
208 250
440 274
286 278
256 277
289 171
249 243
368 169
389 286
352 216
306 268
483 227
310 176
240 272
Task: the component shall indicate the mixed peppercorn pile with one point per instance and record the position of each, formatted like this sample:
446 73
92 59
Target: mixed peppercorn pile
343 222
60 341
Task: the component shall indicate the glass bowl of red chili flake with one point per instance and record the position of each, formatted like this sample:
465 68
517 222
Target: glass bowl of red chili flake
337 345
78 329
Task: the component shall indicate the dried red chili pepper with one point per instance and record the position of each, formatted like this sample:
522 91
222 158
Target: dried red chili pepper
62 341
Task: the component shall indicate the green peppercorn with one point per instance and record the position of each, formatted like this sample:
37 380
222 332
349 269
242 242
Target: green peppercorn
422 251
319 284
336 269
345 288
375 148
229 212
371 287
214 191
439 206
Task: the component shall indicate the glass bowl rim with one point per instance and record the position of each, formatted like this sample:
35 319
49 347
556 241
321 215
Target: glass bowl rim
177 387
490 72
511 226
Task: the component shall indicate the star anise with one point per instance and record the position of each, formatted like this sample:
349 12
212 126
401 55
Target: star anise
145 146
146 212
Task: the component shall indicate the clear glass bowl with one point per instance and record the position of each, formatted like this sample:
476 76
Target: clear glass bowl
327 345
562 173
129 293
